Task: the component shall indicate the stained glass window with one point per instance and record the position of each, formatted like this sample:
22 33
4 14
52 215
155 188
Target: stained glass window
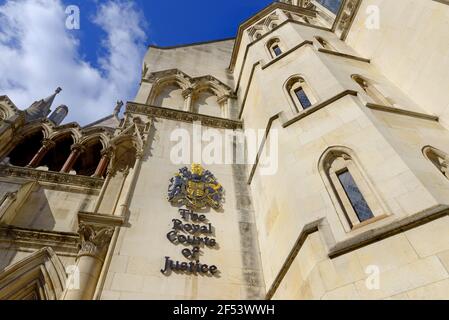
302 97
356 198
277 51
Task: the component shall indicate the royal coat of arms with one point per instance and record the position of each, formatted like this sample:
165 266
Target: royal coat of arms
196 188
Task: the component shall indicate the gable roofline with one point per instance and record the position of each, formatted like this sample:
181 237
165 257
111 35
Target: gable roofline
258 16
189 44
6 99
98 121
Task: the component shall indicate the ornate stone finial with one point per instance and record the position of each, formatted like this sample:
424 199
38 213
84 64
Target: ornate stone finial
58 90
118 107
94 239
144 70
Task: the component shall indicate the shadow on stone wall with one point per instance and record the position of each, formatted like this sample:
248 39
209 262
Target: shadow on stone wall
251 261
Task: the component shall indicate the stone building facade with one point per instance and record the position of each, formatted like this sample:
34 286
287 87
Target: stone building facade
356 101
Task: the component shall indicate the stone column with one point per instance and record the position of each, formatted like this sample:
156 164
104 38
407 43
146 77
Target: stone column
103 190
102 165
224 103
136 171
77 149
94 241
187 94
46 146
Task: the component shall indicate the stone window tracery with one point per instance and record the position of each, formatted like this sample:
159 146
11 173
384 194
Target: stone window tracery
87 163
370 89
274 47
324 43
25 149
205 95
300 94
206 102
350 189
438 158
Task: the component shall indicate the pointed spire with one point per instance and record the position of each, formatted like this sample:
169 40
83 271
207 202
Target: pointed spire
49 100
41 109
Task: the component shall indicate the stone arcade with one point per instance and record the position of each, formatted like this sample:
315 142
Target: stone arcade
361 116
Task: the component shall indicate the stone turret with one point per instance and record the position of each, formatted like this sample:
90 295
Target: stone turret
41 109
59 114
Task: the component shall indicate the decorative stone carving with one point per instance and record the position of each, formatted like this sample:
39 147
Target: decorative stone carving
94 239
6 101
61 242
263 26
52 177
132 136
346 17
118 108
177 115
9 196
77 147
144 70
187 92
439 158
48 144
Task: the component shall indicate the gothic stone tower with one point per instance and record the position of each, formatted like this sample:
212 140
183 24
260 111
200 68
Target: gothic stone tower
356 208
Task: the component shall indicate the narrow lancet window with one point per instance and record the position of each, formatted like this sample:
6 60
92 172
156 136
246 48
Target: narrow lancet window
355 197
302 98
277 51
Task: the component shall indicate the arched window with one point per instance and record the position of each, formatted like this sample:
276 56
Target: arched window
274 47
169 96
87 163
371 90
25 150
55 159
299 93
350 189
439 159
325 44
206 102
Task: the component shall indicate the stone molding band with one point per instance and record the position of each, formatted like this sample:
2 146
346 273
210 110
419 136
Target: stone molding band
50 176
63 243
179 115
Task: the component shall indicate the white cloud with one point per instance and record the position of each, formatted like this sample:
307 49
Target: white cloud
38 53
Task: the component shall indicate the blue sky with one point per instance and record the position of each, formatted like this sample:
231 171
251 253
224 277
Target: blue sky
176 22
101 62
